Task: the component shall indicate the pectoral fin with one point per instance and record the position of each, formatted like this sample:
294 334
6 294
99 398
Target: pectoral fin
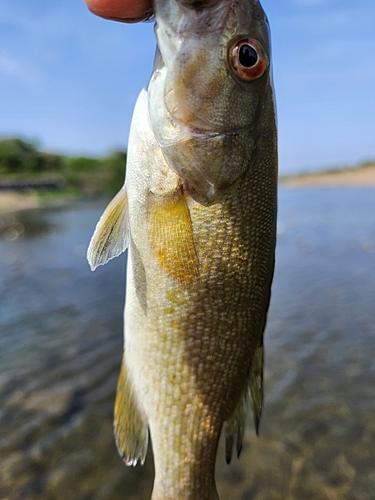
171 235
130 423
111 235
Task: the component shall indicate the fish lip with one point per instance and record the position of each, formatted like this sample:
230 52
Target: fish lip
147 16
198 4
188 26
197 132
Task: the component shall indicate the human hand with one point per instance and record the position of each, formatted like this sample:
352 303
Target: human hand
126 11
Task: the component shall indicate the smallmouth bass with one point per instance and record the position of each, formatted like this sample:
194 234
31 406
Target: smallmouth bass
197 214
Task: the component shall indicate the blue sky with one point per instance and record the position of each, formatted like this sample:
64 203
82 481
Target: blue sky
69 79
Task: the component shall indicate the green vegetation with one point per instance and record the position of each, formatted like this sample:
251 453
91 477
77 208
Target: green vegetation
22 161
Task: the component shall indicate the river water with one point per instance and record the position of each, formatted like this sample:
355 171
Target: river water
61 343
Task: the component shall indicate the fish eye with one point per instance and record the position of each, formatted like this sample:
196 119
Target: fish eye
248 59
247 56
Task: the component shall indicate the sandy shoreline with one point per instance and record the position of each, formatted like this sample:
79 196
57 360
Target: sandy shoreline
353 177
11 201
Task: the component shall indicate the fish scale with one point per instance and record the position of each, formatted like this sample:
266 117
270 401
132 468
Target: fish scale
172 335
201 240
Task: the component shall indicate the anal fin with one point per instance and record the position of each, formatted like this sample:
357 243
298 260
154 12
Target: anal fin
130 423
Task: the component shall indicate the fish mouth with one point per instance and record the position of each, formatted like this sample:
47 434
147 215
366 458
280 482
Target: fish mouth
198 4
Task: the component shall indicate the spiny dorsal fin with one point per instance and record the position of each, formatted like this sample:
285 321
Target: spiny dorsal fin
130 423
171 235
111 235
234 429
256 385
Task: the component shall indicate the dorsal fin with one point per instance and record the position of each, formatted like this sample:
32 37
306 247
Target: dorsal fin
256 385
111 235
235 425
234 429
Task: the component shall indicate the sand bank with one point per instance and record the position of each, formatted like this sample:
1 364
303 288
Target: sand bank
11 201
351 177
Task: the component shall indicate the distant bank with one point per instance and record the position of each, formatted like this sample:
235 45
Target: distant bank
30 178
360 176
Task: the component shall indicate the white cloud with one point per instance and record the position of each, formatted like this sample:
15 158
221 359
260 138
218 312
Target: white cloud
15 68
8 65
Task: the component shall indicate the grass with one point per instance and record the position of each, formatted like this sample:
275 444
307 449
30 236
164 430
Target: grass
22 161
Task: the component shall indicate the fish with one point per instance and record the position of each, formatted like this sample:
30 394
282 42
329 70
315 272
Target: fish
197 215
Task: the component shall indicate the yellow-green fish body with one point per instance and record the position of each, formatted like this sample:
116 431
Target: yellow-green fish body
198 214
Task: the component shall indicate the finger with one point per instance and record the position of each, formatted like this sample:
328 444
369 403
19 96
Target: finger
128 11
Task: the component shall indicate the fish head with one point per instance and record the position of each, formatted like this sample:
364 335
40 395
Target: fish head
210 95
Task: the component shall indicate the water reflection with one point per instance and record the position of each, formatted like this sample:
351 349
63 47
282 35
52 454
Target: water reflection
24 225
61 343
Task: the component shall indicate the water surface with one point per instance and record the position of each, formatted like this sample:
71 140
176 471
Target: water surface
61 343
